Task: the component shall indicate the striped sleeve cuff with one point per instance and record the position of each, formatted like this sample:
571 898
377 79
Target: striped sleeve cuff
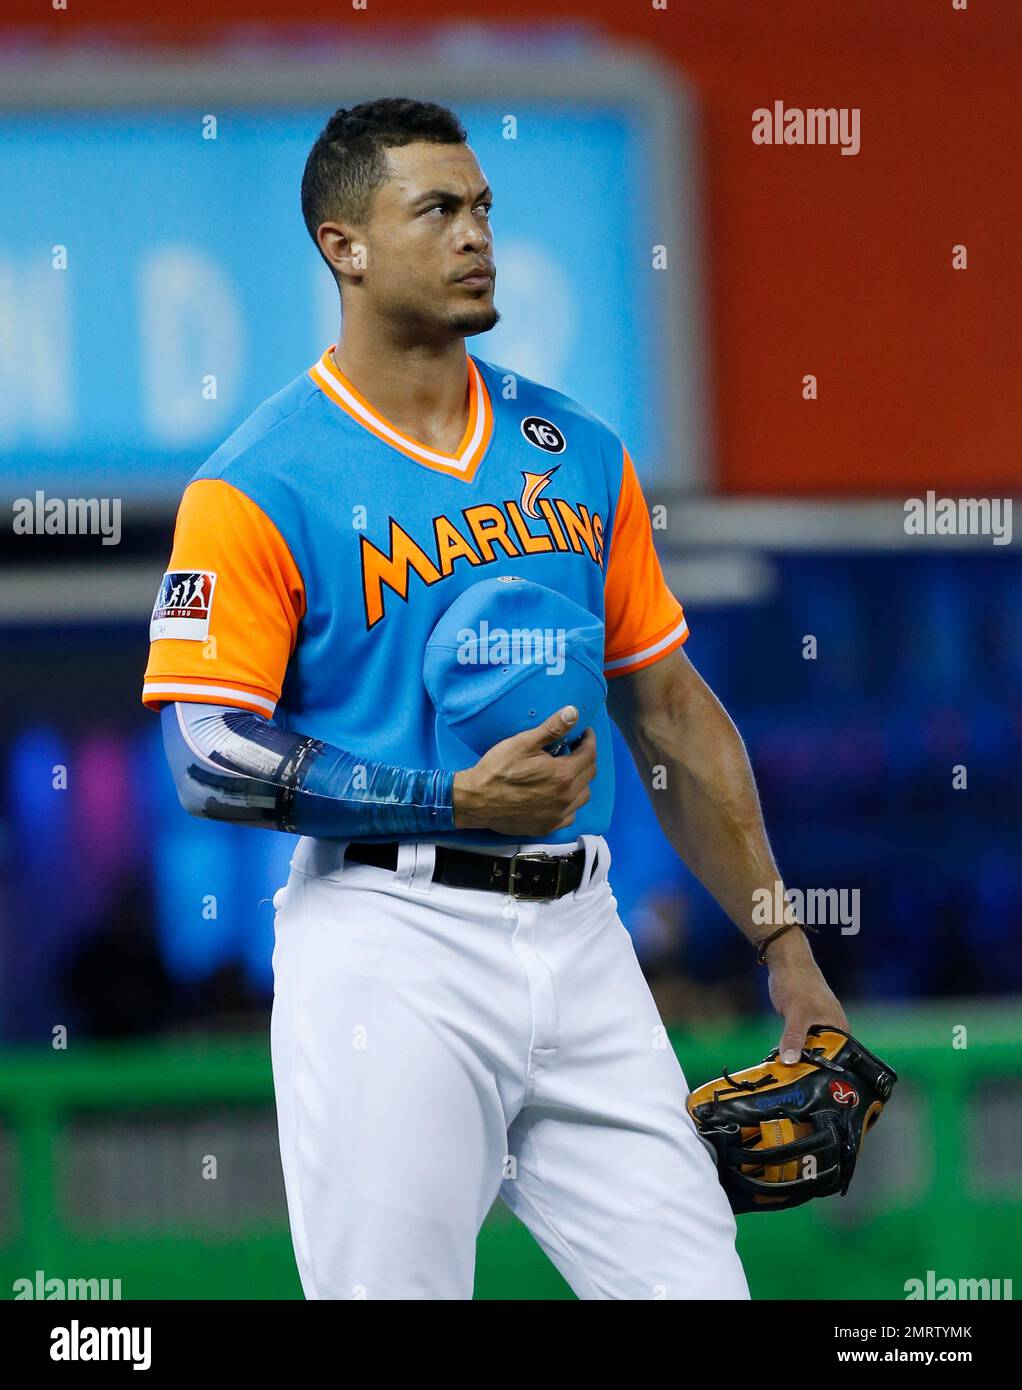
162 692
650 652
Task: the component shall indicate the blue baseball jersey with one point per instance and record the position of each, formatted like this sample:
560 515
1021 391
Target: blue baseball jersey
316 549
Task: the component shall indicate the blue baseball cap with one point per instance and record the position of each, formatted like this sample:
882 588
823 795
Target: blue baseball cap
506 655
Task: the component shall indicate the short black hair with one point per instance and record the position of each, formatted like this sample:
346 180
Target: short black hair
347 163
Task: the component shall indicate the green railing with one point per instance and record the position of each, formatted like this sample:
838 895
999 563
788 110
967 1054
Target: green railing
102 1151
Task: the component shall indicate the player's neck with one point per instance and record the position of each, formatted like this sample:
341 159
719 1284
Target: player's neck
423 390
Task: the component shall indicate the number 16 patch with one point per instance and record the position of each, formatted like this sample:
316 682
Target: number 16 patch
182 606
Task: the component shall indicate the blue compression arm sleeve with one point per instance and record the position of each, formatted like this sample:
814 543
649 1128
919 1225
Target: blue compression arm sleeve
235 766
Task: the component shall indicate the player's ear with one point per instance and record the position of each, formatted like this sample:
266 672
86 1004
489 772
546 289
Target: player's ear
343 245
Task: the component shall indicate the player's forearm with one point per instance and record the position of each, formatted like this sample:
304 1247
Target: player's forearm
707 804
233 766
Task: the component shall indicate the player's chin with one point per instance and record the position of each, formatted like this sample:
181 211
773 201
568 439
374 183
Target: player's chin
476 318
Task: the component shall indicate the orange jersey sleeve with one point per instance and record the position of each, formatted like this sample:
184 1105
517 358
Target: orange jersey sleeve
226 617
644 620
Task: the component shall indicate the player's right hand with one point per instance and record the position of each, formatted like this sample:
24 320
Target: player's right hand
517 788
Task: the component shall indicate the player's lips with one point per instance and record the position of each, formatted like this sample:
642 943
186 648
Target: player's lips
476 278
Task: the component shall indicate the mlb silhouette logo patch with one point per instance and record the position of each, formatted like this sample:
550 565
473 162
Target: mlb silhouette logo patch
182 606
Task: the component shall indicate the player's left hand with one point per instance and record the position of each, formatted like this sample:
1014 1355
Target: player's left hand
801 996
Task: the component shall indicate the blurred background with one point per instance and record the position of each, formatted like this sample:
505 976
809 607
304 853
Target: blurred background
150 235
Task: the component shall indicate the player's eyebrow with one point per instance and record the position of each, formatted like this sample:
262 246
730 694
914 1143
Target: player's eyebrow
447 195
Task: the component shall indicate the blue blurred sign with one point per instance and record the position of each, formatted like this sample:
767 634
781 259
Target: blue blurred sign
156 285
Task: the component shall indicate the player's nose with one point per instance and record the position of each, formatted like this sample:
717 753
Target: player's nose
472 237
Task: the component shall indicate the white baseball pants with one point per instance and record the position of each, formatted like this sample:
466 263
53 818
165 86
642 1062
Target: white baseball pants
434 1047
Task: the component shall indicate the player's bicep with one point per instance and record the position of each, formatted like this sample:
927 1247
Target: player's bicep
662 694
226 617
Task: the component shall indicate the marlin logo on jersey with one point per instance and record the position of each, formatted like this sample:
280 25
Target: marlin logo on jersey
483 534
532 487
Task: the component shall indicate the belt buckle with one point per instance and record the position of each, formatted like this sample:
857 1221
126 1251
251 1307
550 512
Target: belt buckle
542 856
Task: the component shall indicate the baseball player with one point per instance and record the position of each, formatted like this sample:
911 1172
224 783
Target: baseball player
458 1011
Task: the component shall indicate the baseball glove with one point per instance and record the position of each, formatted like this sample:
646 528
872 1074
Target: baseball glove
784 1134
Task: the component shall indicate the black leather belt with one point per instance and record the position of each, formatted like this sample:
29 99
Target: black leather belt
534 877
